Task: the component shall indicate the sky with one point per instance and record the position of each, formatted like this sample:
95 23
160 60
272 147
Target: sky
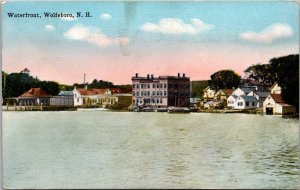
160 38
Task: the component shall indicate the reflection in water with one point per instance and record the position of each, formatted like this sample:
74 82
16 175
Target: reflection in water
149 150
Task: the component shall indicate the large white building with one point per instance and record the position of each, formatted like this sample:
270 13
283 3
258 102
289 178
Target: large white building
161 92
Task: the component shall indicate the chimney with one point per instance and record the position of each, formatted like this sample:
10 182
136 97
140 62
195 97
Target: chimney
178 75
84 78
136 75
148 76
152 76
183 75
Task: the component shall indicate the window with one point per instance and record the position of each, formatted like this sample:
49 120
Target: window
153 85
161 101
160 85
253 104
137 85
148 85
157 100
165 93
240 103
165 85
247 103
133 86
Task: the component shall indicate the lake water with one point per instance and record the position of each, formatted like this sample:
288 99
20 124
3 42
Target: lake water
94 149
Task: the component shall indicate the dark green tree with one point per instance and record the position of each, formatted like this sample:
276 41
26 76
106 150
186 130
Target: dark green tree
260 74
51 87
18 83
224 79
286 72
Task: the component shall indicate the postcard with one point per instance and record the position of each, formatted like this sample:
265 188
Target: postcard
150 94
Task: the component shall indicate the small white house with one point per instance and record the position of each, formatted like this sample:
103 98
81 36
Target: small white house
231 101
245 102
78 99
260 96
274 104
275 89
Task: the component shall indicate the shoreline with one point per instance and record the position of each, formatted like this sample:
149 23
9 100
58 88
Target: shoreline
97 109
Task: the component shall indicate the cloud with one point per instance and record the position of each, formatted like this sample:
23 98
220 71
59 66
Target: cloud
269 34
49 27
176 26
105 16
94 36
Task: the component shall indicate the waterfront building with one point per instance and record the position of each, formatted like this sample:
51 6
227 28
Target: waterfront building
64 98
107 97
275 89
274 104
161 92
231 101
34 96
260 96
208 94
223 94
245 102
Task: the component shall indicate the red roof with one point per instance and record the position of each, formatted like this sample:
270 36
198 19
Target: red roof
84 91
99 91
227 92
277 98
34 92
121 90
25 70
96 91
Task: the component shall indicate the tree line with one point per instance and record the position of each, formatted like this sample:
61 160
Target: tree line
283 70
16 84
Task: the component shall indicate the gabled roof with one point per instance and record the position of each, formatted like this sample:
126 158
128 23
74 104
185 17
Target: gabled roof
234 96
277 98
249 98
206 88
262 94
99 90
34 92
121 90
246 90
84 91
25 70
274 85
94 91
227 92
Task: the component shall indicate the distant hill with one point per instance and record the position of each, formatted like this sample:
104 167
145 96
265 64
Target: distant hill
198 87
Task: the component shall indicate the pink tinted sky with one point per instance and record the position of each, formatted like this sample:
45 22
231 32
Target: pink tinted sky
198 62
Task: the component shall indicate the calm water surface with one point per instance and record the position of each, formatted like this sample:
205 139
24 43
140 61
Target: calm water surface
149 150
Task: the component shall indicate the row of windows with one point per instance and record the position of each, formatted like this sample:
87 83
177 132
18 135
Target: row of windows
160 93
247 103
153 100
148 85
148 93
